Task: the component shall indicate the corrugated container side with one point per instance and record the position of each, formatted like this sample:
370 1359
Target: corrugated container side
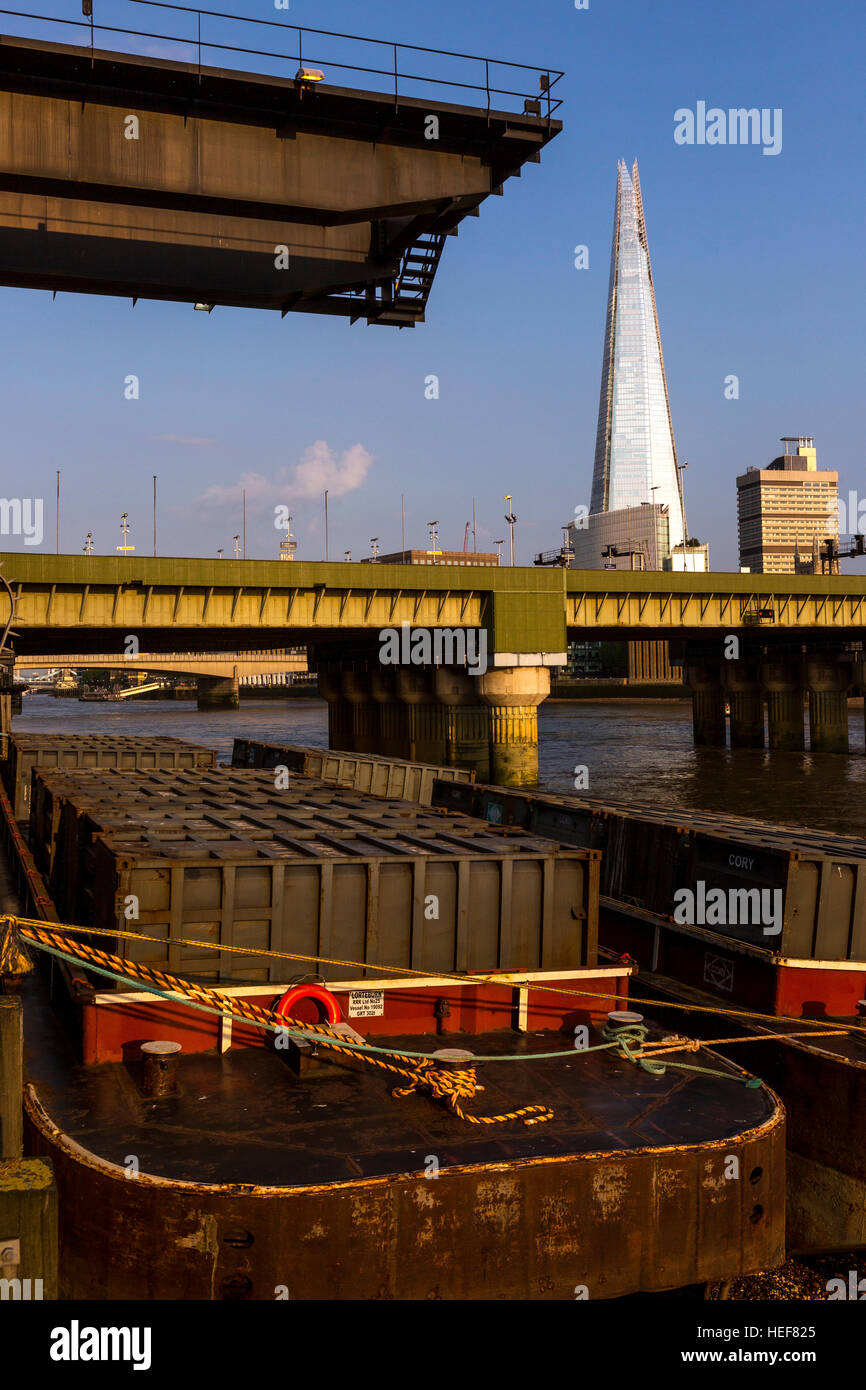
43 752
524 912
393 777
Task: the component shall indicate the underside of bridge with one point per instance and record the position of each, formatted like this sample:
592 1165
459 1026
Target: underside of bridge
141 177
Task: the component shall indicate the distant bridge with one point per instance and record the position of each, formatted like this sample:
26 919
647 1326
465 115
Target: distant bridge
223 664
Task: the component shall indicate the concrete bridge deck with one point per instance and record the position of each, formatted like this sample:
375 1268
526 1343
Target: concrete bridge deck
144 177
222 664
79 600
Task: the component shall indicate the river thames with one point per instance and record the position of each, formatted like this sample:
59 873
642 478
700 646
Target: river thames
633 750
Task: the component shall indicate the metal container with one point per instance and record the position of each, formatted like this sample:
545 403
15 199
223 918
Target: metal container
649 855
245 802
312 868
432 909
456 796
42 751
361 771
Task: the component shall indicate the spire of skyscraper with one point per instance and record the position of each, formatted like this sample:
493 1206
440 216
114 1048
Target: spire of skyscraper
635 453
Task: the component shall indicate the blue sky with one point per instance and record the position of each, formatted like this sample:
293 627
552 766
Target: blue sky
758 270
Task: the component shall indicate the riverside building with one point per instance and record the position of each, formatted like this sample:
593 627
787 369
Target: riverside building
786 510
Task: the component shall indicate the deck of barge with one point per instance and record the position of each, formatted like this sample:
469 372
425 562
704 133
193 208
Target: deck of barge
243 1117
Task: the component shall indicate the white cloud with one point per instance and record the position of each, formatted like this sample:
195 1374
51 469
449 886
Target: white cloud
320 468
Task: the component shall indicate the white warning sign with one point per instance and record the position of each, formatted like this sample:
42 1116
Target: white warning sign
366 1003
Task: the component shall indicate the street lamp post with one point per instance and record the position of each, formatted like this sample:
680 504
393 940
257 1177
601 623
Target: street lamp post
511 518
124 530
681 468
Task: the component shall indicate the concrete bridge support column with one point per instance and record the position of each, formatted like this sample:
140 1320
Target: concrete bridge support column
467 721
217 692
513 694
427 721
708 703
357 690
393 713
340 734
785 724
827 677
743 687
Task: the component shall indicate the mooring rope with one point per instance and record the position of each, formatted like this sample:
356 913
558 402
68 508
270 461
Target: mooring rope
420 1070
453 1087
831 1026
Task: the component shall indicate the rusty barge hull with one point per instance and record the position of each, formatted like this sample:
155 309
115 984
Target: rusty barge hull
511 1213
822 1084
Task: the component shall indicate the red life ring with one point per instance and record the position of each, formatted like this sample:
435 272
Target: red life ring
318 993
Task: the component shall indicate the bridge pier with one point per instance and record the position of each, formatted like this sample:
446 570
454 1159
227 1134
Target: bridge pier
340 733
467 721
393 714
785 708
512 695
363 711
217 692
427 718
827 676
708 703
746 697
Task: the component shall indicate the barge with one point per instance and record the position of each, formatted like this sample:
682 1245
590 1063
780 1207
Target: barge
809 966
287 1154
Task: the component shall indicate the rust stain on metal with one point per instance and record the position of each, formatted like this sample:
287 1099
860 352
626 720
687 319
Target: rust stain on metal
610 1188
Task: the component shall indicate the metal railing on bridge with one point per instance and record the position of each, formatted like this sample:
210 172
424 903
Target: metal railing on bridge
203 36
65 660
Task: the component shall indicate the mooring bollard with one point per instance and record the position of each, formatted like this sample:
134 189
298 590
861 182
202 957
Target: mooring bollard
160 1068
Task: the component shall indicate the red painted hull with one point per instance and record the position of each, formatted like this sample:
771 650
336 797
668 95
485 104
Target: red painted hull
114 1027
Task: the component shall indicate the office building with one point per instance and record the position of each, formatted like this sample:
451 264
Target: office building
635 453
786 510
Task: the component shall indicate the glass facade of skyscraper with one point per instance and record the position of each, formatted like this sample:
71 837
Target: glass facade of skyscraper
635 455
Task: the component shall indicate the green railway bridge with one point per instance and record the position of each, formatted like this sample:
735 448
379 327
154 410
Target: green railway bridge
752 641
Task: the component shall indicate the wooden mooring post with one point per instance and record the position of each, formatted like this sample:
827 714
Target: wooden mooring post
28 1194
11 1076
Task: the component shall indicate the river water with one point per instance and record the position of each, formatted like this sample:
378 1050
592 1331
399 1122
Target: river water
634 750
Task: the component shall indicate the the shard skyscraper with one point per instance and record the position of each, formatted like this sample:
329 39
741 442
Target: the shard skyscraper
635 454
